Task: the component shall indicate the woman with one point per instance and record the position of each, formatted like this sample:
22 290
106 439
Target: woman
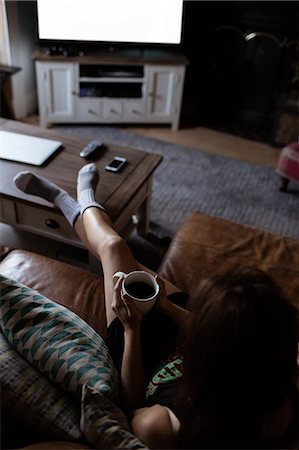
227 381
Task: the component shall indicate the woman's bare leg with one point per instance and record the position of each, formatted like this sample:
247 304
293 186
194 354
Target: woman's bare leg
109 247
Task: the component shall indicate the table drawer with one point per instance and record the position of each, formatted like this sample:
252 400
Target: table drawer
134 110
45 223
112 110
7 211
89 110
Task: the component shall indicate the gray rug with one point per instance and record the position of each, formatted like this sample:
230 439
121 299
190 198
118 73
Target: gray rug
192 180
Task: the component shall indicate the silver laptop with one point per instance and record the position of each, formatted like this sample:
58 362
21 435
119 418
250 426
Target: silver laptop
26 149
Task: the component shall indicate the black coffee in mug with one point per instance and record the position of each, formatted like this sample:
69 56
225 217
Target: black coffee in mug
139 289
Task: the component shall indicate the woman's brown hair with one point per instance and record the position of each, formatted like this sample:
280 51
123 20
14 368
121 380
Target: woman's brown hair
239 359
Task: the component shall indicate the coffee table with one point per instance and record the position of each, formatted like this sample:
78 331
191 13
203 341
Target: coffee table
123 194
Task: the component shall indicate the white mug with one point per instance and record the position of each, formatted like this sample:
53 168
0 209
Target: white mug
141 287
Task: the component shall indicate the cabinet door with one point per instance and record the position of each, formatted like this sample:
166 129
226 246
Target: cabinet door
163 94
160 82
60 84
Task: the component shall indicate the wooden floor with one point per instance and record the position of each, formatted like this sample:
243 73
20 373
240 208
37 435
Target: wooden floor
207 139
215 142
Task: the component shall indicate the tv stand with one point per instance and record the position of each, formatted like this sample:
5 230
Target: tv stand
120 86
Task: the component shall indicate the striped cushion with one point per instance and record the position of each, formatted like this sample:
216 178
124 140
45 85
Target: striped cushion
29 398
55 340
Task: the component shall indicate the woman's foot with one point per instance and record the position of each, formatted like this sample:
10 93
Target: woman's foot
87 181
33 184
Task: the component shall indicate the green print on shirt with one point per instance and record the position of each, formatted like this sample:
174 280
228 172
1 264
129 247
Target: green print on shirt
170 372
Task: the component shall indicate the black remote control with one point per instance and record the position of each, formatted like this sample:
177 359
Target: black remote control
90 149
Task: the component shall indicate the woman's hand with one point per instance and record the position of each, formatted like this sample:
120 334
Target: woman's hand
125 309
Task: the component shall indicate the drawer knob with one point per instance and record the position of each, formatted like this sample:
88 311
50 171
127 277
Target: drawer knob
51 223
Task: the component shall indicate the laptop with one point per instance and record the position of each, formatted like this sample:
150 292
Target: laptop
26 149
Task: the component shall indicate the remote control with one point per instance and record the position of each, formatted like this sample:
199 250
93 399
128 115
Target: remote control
90 149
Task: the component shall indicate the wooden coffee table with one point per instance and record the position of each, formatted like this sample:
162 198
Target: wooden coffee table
122 194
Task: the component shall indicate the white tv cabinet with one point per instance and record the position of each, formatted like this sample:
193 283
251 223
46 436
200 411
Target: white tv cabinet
144 87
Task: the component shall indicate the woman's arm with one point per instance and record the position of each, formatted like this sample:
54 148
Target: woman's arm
132 373
178 314
156 426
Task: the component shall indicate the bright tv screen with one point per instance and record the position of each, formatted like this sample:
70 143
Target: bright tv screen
121 21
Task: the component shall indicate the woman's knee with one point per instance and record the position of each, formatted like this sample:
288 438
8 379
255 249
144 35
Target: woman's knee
116 255
113 245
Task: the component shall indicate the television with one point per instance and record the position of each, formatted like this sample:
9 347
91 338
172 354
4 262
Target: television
141 22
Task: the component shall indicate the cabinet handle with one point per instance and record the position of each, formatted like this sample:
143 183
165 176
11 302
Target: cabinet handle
158 97
113 111
135 111
75 93
51 223
91 111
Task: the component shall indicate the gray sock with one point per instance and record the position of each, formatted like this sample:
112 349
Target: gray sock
88 178
32 184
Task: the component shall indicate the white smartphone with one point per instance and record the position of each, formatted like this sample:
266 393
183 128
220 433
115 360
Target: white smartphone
116 164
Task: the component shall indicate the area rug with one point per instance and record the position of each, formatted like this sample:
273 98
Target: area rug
191 180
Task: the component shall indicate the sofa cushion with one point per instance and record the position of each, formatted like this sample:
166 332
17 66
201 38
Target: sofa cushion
206 244
4 250
55 340
103 424
56 445
77 289
29 398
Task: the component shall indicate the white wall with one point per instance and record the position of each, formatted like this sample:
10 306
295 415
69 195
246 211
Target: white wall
5 57
22 24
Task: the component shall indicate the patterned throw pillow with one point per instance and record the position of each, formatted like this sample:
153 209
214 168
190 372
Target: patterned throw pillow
55 340
103 424
27 398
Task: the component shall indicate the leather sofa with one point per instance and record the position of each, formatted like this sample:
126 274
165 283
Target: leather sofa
202 245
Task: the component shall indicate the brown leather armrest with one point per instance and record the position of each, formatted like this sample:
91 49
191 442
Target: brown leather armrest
206 244
79 290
